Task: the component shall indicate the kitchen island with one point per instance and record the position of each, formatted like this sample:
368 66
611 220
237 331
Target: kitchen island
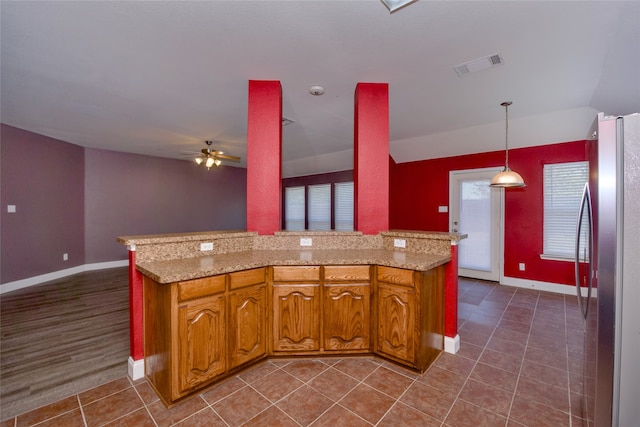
218 302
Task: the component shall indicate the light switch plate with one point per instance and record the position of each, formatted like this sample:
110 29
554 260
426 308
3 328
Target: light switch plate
206 246
306 241
11 208
443 209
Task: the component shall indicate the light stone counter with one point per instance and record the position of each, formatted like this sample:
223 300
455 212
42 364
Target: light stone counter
192 268
174 257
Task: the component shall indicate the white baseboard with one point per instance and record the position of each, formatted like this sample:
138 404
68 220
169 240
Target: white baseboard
37 280
135 368
452 345
545 286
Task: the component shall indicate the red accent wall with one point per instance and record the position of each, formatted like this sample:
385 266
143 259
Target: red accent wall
418 188
371 158
264 154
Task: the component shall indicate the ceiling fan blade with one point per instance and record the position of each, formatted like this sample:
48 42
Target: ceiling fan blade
227 157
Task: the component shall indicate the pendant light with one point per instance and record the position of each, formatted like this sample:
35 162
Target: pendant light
507 178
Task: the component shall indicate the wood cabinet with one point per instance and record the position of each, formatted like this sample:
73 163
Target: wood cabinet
184 334
201 339
321 309
396 317
296 309
409 315
346 320
247 316
199 331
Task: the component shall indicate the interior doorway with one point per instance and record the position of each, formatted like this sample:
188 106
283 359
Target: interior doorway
477 210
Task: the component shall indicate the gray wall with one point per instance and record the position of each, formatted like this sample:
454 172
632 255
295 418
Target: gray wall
44 178
129 194
77 200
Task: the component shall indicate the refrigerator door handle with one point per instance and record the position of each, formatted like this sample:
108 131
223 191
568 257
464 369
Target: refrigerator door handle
585 204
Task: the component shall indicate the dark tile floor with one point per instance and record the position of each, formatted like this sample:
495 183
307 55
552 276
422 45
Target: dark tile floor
514 369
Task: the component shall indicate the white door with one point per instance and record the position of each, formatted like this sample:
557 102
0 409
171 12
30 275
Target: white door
476 210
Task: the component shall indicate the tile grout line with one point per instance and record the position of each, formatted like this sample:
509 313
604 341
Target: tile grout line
526 346
478 359
146 407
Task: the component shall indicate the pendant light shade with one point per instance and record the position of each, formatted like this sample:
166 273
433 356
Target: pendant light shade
507 178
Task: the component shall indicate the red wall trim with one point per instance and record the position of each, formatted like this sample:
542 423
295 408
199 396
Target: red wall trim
264 154
451 294
136 318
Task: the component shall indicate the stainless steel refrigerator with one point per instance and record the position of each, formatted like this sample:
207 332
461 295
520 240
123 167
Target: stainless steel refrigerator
608 277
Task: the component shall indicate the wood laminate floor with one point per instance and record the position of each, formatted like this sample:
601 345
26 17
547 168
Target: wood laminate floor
62 337
518 365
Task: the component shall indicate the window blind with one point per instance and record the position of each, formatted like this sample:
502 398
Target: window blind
563 186
475 221
319 207
343 210
294 208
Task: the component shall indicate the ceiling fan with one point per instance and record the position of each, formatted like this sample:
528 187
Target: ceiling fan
211 157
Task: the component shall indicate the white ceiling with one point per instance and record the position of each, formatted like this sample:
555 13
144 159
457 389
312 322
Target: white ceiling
160 77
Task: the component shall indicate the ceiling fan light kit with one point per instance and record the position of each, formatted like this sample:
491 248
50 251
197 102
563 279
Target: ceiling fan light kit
210 157
507 178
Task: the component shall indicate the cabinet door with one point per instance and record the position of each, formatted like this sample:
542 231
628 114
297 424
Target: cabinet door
396 311
200 341
346 317
296 317
247 324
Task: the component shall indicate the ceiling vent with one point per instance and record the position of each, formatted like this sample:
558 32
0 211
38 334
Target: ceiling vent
479 64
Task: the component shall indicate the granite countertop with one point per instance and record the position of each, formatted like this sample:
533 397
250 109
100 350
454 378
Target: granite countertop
183 237
192 268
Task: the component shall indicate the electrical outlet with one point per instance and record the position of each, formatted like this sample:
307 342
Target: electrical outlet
11 208
306 241
521 266
399 243
65 257
206 246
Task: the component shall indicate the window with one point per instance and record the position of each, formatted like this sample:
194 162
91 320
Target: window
563 186
343 211
294 213
319 207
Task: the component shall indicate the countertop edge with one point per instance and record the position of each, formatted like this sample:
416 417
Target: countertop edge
177 270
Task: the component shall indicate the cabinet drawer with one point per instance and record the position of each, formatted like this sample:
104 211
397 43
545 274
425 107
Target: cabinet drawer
346 273
200 287
296 274
241 279
396 276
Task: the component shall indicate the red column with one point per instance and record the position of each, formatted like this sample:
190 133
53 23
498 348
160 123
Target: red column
451 294
264 155
371 158
136 325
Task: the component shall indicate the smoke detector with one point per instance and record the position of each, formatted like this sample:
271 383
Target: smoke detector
316 90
